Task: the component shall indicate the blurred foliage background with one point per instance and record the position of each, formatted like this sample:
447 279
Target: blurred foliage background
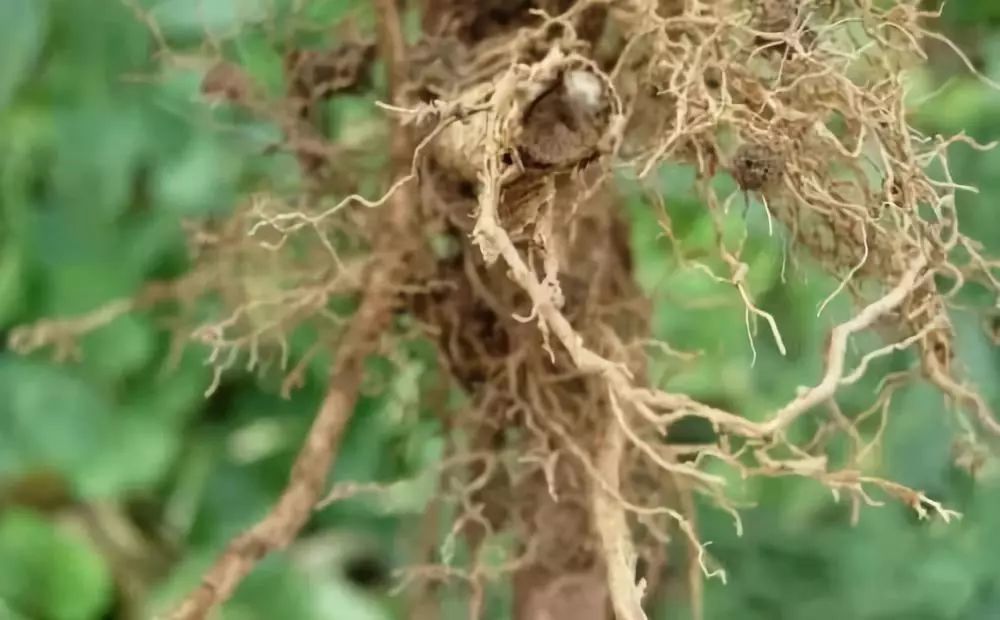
119 479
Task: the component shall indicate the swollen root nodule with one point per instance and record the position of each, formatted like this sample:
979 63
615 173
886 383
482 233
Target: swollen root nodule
564 126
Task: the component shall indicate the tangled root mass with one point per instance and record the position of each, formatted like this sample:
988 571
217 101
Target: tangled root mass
519 117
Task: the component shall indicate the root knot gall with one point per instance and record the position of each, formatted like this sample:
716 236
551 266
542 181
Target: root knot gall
757 166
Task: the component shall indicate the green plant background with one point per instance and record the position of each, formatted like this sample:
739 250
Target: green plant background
99 167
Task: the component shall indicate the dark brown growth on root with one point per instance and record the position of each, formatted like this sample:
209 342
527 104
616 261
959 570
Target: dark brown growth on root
564 126
757 166
225 82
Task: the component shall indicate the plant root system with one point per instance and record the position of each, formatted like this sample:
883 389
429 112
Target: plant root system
507 126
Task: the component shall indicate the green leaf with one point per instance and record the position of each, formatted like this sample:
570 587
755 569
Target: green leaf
47 573
194 18
257 55
98 147
51 419
22 33
138 451
11 282
200 180
119 349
